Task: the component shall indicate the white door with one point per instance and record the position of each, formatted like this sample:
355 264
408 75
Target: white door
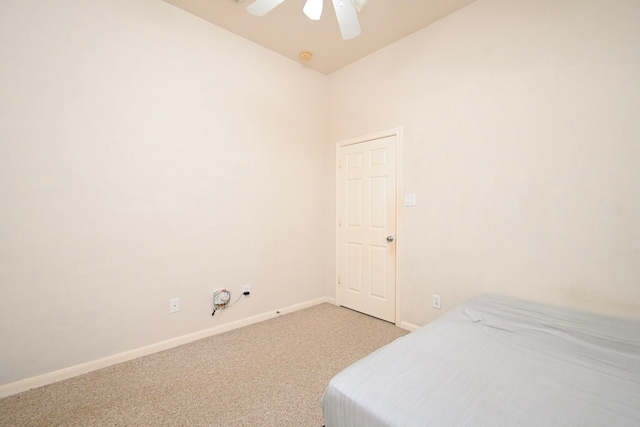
367 227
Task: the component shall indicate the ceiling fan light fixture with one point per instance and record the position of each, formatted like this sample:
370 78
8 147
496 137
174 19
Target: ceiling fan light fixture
305 55
313 9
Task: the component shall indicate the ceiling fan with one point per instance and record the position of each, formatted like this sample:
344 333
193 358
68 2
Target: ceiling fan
346 12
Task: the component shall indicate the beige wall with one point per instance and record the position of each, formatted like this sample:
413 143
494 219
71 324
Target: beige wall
146 154
522 143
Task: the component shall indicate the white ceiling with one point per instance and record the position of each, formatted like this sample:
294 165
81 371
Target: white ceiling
287 31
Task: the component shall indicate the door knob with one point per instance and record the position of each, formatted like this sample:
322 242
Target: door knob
389 238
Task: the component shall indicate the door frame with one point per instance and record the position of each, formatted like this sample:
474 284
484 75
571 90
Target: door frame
398 133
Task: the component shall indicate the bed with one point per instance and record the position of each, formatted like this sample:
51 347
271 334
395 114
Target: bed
496 361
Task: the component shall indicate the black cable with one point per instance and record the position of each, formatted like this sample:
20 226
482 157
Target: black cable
237 299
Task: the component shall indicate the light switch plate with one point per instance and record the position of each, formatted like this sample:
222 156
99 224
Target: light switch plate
410 199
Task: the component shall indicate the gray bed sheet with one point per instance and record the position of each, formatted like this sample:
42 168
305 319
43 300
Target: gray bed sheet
497 361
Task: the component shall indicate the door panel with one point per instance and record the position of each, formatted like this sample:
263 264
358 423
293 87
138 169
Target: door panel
379 190
367 216
354 267
378 257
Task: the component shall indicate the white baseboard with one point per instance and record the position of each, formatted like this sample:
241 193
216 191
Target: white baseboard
409 326
72 371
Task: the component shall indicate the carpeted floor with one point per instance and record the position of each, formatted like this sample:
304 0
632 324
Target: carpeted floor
268 374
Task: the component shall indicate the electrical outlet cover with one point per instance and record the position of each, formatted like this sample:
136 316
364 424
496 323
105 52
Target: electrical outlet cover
221 297
174 305
437 302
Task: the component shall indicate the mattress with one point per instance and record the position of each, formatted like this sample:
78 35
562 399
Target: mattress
496 361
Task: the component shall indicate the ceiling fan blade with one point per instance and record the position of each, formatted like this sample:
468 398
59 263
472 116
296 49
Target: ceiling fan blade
262 7
313 9
347 19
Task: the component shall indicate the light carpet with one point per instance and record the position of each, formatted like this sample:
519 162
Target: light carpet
271 373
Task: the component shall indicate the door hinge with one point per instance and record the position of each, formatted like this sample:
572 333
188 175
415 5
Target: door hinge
339 281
